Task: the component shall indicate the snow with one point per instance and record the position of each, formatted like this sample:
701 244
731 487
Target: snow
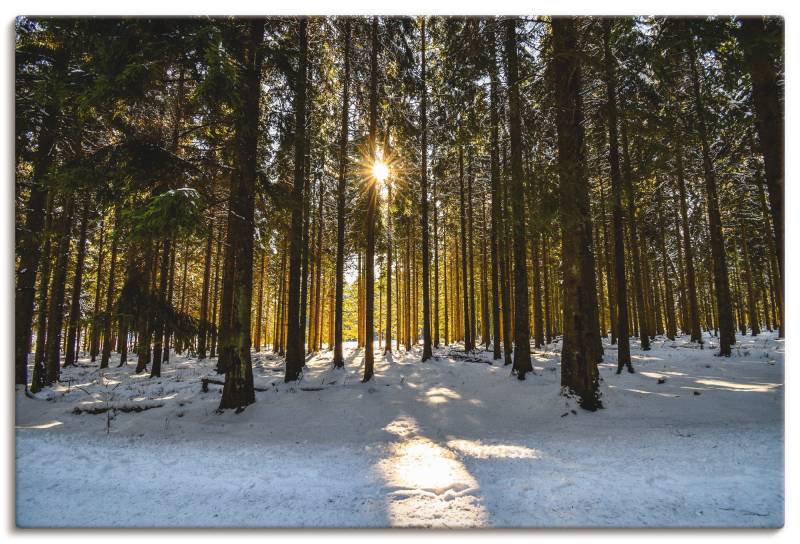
445 443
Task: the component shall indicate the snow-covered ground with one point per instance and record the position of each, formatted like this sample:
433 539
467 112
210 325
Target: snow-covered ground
446 443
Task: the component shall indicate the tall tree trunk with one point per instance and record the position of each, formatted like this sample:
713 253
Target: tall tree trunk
752 312
494 171
30 239
37 378
522 348
426 295
215 326
447 298
169 298
773 269
389 242
473 333
112 276
633 233
294 339
756 39
260 303
341 189
158 321
579 354
304 259
672 329
468 345
620 287
55 313
610 271
435 266
485 326
70 358
505 272
372 197
202 337
238 390
94 346
317 343
717 241
691 281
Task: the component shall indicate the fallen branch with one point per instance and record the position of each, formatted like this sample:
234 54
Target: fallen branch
468 358
123 408
206 381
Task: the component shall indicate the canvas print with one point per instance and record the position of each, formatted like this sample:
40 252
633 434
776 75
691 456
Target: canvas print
407 271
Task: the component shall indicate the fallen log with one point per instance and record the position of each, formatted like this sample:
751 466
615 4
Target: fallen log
206 381
101 409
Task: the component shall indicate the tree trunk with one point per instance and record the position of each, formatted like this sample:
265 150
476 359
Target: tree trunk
238 390
579 354
633 234
260 303
426 295
30 239
55 313
717 241
158 321
495 191
468 346
435 266
112 272
752 312
37 378
372 196
522 348
341 189
620 287
70 358
202 336
94 345
294 339
756 39
215 326
672 329
304 263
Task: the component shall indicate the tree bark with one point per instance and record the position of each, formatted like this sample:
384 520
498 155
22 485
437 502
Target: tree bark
112 272
717 240
238 390
579 354
37 378
494 171
620 287
372 197
30 239
158 321
426 295
294 339
522 348
94 345
55 313
70 357
468 346
756 38
341 189
202 336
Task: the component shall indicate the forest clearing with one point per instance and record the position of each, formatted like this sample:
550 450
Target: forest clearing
445 443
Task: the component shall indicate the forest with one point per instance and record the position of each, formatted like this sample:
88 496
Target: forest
439 244
218 186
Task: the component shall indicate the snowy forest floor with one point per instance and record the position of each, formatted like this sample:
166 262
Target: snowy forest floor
445 443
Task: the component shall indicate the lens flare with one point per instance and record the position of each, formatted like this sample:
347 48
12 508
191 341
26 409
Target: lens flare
380 170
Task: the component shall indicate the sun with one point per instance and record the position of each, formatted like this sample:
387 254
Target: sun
380 170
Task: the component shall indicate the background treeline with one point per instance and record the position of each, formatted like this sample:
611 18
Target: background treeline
206 185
